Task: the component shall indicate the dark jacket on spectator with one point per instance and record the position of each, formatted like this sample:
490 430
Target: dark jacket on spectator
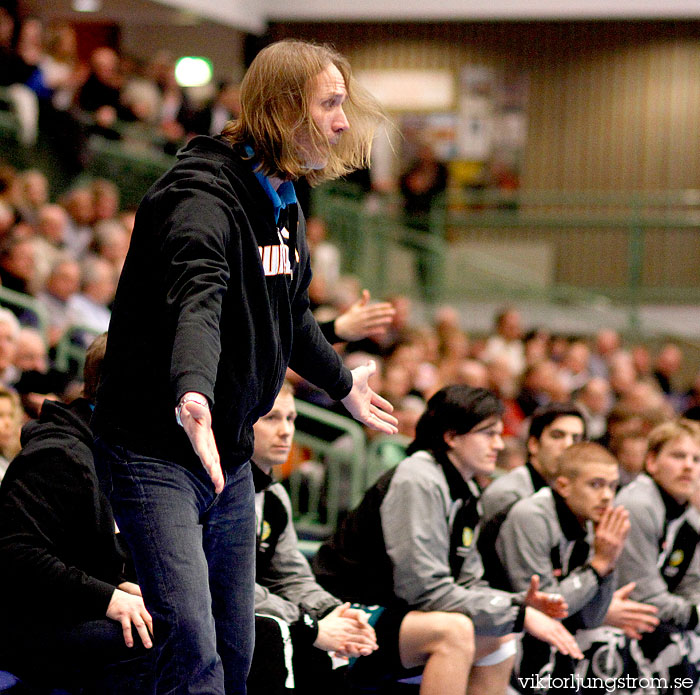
60 557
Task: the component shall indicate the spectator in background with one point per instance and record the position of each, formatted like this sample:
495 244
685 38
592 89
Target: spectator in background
63 282
595 400
574 368
325 260
111 242
14 74
641 358
31 353
10 426
666 368
226 106
607 343
622 373
105 200
420 185
18 264
99 96
80 205
630 449
34 194
61 70
507 341
9 330
90 308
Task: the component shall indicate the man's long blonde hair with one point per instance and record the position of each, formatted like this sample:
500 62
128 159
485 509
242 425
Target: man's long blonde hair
275 113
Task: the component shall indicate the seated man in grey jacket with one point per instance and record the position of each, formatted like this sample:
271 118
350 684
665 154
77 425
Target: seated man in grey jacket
661 554
411 543
571 536
289 601
298 622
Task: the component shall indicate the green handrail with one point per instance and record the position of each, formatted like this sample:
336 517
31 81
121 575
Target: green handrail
343 464
10 298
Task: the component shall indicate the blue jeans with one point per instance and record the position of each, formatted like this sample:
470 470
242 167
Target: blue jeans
194 553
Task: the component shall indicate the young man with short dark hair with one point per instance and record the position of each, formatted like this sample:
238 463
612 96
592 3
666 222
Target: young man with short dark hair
553 428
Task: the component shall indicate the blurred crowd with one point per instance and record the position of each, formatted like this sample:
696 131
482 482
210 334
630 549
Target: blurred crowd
52 92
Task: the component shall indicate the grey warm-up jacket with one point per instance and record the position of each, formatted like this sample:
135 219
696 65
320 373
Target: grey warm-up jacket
505 491
538 537
660 554
412 541
285 586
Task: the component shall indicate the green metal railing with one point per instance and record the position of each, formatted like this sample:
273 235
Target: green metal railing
342 485
368 230
16 300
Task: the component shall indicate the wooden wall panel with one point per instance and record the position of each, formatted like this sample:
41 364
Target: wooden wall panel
614 106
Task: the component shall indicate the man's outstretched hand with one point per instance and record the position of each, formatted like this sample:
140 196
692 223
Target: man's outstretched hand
365 405
196 421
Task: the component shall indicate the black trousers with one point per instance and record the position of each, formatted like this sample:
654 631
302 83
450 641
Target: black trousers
274 658
89 658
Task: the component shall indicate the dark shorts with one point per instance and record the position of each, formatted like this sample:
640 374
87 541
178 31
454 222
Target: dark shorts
385 663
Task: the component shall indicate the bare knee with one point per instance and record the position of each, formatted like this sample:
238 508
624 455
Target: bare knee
423 635
454 632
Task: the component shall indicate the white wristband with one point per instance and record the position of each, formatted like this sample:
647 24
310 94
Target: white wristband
188 399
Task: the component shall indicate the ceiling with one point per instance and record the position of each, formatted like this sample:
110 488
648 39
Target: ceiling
253 15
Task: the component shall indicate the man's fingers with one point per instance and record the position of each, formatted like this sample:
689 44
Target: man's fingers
625 591
126 630
565 642
534 585
383 403
148 620
142 630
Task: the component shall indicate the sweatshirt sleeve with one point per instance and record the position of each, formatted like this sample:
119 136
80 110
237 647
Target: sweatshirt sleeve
45 505
194 239
416 535
289 578
638 564
313 357
524 546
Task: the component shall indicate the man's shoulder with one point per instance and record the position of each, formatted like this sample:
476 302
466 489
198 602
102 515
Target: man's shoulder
517 480
540 504
640 493
418 469
506 490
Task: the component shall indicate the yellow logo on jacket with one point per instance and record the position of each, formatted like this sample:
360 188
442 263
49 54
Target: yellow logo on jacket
676 558
467 537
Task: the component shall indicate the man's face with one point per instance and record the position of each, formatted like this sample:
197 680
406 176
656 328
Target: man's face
326 108
560 434
475 452
590 492
676 467
274 433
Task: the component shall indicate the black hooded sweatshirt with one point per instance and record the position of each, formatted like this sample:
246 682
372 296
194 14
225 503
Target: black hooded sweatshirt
59 555
213 299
